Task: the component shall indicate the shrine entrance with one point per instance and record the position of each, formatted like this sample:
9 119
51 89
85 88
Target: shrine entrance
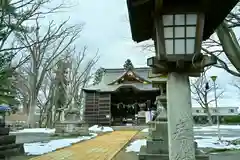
127 101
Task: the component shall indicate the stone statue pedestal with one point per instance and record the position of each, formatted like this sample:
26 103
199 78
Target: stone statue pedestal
71 125
157 143
68 128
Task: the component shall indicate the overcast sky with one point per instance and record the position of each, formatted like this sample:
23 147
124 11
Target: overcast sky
107 29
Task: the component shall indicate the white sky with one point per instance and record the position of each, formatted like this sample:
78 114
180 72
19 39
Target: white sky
107 29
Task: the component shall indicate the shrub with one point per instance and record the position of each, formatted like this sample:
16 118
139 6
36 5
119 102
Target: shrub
232 119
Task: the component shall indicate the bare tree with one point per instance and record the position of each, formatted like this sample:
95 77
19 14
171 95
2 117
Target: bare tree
236 83
45 99
201 88
78 74
15 14
226 42
44 49
78 77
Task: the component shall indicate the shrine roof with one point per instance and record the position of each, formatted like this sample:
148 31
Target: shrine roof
111 75
112 88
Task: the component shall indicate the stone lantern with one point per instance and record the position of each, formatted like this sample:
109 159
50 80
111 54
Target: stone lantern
177 28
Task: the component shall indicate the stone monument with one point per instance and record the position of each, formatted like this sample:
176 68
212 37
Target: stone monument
71 124
157 142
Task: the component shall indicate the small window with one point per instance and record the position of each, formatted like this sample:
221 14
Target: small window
197 111
205 111
231 110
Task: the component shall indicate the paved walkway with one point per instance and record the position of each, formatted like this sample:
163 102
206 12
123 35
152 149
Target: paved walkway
104 147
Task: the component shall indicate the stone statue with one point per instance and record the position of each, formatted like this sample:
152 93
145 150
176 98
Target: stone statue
161 113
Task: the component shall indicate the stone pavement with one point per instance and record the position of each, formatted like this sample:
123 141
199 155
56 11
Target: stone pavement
103 147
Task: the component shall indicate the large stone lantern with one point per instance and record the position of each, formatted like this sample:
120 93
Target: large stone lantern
177 28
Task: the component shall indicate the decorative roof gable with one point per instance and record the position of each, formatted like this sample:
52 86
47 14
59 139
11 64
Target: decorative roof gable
131 76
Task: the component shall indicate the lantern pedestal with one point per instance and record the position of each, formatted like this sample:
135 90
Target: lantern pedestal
157 143
180 120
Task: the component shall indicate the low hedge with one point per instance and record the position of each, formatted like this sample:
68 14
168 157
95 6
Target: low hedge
232 119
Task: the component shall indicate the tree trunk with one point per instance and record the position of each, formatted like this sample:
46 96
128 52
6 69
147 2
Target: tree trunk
49 118
229 44
41 117
31 115
206 108
26 107
209 116
32 105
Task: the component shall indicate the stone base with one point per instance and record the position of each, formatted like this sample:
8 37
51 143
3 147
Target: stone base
156 147
143 155
158 131
8 146
7 139
71 128
141 121
13 151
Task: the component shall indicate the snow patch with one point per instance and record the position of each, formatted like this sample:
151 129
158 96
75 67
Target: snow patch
146 130
36 130
136 145
203 142
40 148
209 128
214 128
213 142
97 128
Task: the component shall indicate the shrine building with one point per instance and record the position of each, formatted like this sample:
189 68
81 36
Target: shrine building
122 97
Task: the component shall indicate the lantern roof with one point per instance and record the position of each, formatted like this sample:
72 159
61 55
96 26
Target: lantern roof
141 15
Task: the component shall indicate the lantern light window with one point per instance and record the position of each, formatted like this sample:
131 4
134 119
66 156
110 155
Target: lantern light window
179 33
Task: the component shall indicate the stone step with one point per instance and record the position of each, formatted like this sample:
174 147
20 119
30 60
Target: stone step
7 139
10 146
17 150
4 131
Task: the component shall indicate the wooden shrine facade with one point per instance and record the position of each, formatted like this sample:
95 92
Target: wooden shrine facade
119 86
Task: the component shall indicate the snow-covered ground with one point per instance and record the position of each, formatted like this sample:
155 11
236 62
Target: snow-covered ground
203 141
39 148
210 128
214 127
97 129
35 130
136 145
213 142
94 128
145 130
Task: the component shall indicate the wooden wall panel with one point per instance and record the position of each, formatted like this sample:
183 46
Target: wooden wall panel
104 109
91 108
